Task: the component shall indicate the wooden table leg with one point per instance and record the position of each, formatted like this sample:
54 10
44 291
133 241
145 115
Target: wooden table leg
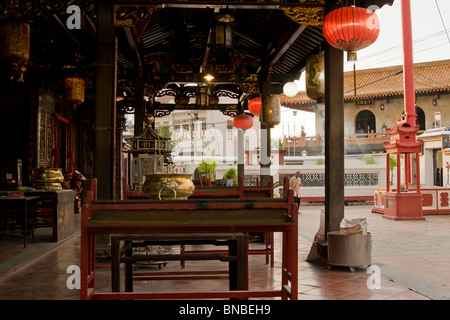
238 279
129 267
115 264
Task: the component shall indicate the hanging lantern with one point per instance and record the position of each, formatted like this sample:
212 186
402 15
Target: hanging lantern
254 106
15 45
270 113
315 77
224 31
351 29
290 89
243 121
75 90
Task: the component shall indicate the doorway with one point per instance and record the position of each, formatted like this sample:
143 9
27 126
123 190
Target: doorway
438 168
365 122
420 118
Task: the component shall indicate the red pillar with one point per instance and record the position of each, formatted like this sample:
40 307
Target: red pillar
408 65
407 170
388 169
398 172
418 171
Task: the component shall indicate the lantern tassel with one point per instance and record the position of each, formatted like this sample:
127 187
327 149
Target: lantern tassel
354 78
352 56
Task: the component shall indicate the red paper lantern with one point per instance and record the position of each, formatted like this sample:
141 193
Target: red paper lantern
254 106
243 121
351 29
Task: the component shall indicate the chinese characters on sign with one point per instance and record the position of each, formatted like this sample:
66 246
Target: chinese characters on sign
364 102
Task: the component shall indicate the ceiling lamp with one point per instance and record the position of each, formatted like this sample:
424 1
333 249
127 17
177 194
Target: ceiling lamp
290 89
243 121
224 31
209 77
351 29
254 106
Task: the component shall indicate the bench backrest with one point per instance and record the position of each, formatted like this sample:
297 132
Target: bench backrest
268 209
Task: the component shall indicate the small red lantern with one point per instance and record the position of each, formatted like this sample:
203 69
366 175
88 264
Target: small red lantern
243 121
254 106
351 29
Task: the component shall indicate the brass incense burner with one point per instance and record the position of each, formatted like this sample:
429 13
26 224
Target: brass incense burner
168 186
47 178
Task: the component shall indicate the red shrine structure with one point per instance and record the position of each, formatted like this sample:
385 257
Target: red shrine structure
403 203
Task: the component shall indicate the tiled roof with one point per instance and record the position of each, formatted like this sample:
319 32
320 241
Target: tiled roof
383 82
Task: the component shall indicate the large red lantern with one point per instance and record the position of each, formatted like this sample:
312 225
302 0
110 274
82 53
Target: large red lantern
351 29
254 106
243 121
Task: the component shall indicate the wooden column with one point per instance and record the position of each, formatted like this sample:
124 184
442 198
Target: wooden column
264 155
265 152
139 108
105 103
334 138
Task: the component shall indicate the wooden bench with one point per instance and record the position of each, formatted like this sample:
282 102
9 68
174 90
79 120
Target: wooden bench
236 257
188 217
241 192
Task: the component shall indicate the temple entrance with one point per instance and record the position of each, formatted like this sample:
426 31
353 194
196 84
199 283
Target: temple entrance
420 118
365 122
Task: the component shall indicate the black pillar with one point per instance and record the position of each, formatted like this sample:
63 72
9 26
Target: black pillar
334 138
105 103
265 151
140 107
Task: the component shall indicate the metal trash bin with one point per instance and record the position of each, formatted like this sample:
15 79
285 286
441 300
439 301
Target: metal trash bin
349 250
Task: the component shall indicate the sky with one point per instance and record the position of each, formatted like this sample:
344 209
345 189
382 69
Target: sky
431 42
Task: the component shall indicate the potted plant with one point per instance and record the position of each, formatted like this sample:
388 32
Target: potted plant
229 178
208 168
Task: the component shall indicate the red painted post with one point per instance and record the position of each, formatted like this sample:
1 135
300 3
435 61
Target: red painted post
388 177
55 142
407 170
418 171
398 172
408 65
70 153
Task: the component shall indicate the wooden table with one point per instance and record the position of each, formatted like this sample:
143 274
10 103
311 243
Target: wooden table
22 204
55 209
188 217
236 256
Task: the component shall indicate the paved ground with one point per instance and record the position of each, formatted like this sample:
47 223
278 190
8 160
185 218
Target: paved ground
413 257
415 254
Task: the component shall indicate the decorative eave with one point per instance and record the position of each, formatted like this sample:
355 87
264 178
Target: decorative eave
434 134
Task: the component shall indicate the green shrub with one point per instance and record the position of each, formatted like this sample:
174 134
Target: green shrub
368 159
